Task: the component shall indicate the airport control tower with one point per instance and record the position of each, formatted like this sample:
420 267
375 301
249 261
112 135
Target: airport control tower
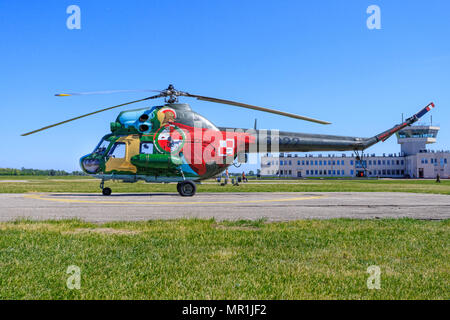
414 139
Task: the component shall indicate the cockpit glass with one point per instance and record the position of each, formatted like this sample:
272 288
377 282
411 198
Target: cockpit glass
102 146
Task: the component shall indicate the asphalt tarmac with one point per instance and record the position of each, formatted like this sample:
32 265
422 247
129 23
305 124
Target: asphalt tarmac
224 206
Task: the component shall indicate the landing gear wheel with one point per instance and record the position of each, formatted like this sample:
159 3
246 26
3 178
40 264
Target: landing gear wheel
186 188
106 191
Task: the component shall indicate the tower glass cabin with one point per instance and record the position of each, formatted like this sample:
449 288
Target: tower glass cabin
413 139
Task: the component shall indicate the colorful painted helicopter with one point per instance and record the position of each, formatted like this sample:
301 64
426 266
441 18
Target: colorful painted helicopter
173 143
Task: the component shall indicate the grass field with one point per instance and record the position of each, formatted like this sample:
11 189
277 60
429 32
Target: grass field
23 184
205 259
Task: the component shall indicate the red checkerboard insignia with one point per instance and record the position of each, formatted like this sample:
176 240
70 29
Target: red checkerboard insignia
226 147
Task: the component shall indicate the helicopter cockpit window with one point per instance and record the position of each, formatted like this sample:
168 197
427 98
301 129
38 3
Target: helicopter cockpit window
147 148
102 146
118 150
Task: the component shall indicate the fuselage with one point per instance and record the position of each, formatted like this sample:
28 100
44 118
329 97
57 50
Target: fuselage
164 144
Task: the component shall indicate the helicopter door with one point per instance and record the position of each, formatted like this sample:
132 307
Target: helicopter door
120 155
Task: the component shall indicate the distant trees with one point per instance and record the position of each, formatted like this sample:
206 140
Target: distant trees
37 172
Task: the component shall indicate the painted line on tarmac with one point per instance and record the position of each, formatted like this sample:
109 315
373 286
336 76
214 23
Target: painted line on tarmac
42 197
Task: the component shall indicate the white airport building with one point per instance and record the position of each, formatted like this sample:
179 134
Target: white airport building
413 161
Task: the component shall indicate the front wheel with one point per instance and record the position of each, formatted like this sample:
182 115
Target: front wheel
106 191
186 188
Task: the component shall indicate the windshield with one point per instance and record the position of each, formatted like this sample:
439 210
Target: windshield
102 146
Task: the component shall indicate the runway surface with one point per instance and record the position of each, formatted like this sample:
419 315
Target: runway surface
224 206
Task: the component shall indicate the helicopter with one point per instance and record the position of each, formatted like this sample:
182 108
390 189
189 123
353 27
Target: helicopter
173 143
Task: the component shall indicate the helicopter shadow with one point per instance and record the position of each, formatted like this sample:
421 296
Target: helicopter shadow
113 195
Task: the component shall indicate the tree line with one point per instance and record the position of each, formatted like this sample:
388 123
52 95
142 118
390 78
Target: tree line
38 172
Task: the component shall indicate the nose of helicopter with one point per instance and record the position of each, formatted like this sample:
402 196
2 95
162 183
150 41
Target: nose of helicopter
90 165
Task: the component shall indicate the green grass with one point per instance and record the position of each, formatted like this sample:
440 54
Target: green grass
86 184
205 259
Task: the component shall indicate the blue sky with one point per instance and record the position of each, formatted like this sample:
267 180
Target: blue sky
315 58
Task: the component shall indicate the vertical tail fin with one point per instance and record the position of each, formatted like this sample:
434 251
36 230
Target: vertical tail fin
388 133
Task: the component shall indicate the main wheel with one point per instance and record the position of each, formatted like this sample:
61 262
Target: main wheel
106 191
186 188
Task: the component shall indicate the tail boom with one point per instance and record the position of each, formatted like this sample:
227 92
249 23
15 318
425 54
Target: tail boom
282 141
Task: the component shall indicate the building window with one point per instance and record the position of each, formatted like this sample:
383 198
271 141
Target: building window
351 172
402 162
290 162
315 162
370 162
303 162
338 162
351 163
343 172
316 172
339 172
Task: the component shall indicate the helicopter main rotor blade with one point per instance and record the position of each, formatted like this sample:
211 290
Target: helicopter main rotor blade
248 106
101 92
90 114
